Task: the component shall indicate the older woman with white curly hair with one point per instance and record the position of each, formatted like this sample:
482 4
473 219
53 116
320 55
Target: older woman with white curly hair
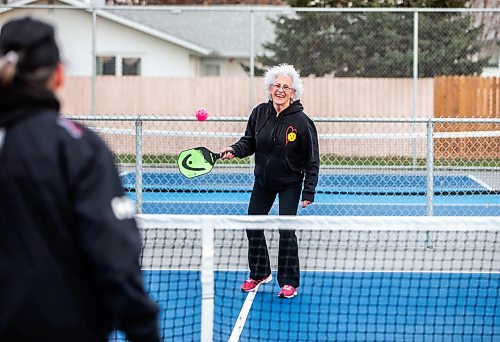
285 143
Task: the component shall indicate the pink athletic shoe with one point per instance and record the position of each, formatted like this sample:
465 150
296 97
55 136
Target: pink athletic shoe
251 285
287 291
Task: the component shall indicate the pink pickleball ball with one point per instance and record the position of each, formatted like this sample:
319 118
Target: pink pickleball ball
201 114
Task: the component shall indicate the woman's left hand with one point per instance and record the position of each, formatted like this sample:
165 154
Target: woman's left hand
305 203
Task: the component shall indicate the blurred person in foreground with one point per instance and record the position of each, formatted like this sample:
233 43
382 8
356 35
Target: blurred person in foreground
285 143
69 246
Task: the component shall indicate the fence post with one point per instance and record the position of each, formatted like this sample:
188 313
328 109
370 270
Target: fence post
415 87
430 167
252 69
94 57
252 59
430 177
138 165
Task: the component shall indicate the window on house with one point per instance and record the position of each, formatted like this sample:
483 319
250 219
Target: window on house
105 65
211 70
131 66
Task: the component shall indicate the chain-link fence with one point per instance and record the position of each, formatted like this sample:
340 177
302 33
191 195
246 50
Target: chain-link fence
384 87
368 166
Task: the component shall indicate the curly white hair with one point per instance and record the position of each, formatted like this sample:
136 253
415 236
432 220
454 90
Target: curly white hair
283 70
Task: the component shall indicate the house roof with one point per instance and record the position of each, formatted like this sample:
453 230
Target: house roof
222 33
226 33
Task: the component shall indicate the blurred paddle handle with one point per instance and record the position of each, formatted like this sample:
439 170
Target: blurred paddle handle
222 154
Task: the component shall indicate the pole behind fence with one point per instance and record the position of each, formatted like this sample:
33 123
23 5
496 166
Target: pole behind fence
430 177
138 165
415 87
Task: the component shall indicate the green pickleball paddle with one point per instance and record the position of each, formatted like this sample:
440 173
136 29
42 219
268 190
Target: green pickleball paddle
196 161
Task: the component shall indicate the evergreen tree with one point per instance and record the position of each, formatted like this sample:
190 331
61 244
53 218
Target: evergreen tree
376 44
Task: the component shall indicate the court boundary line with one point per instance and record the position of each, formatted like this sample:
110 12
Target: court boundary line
323 203
483 184
242 317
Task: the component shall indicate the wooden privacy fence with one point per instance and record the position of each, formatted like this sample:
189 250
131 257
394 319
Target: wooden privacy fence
467 97
230 96
442 97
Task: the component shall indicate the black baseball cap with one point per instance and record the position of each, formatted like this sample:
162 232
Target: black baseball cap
33 40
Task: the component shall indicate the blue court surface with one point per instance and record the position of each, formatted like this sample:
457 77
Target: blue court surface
337 306
354 195
331 305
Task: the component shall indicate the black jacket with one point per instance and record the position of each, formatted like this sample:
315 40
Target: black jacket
285 147
69 268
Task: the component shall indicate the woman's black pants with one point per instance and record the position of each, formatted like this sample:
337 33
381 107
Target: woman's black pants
261 202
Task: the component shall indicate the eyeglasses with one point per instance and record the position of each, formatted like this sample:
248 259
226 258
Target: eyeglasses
283 87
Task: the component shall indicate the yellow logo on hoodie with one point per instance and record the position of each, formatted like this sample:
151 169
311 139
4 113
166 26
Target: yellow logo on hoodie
291 134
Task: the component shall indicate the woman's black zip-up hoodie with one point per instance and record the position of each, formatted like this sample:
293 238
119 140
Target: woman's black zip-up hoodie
285 146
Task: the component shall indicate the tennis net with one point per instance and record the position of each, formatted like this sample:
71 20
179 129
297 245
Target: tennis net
362 278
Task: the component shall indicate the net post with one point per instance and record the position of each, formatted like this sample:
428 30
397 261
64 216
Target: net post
138 165
207 278
430 176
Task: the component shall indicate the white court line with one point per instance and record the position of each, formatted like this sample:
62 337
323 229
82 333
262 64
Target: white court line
477 180
242 317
